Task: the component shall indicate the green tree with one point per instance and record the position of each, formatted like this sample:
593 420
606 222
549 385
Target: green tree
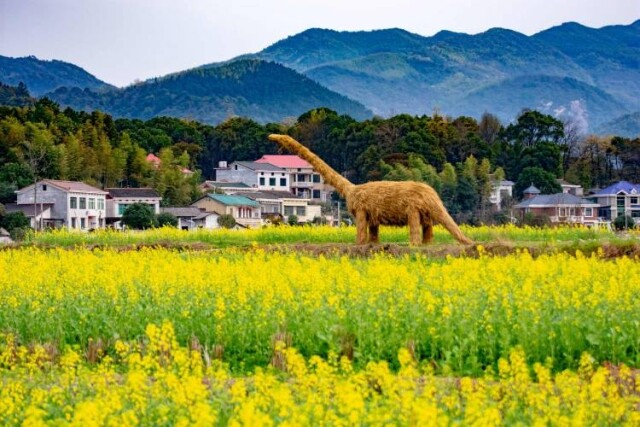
541 179
226 221
139 216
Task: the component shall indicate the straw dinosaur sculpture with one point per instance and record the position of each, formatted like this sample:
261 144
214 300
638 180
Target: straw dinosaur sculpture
383 202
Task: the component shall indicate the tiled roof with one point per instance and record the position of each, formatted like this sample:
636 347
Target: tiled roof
531 190
220 184
558 199
625 186
181 212
233 200
76 186
27 208
271 195
267 167
284 161
133 192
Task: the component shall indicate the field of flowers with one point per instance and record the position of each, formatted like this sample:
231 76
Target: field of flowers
243 336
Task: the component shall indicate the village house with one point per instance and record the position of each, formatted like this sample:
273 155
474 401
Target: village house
191 217
119 199
500 191
261 176
559 208
245 211
621 198
58 203
285 204
305 182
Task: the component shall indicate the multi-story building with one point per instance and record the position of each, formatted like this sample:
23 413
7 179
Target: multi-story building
621 198
74 205
261 176
305 182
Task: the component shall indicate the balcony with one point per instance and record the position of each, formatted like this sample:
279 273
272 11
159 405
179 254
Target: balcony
302 184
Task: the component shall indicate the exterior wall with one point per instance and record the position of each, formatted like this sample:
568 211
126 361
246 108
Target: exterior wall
93 217
249 218
209 222
300 208
113 204
266 179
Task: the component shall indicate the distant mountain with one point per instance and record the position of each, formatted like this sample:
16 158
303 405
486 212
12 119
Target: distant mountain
45 76
263 91
627 126
393 71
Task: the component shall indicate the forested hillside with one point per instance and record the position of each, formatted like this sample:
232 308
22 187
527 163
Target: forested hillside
44 76
261 90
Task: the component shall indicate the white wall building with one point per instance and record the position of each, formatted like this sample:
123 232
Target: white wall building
74 205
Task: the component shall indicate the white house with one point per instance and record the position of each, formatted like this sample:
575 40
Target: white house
262 176
190 217
74 205
118 199
499 191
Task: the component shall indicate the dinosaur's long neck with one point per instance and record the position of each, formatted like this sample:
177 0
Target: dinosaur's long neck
331 177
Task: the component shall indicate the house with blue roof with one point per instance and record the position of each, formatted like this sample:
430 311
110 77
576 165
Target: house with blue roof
245 211
621 198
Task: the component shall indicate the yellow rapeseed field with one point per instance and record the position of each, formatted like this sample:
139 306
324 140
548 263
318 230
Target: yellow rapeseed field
252 337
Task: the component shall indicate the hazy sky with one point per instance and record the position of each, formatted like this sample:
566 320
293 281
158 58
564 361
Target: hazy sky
122 40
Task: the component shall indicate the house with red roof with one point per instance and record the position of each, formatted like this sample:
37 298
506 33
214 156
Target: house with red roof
305 182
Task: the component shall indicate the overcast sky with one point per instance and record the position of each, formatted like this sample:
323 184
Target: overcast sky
122 40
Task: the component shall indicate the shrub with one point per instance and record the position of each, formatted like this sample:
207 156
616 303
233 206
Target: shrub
167 219
226 221
623 222
139 216
292 220
14 220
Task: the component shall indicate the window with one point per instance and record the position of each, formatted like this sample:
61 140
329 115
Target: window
44 187
288 210
73 204
316 194
83 222
261 180
121 208
101 204
301 210
316 178
83 203
92 203
633 201
301 178
635 214
562 212
283 182
272 182
272 174
73 222
588 211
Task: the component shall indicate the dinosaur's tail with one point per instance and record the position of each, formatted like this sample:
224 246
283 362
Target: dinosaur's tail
443 217
331 177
